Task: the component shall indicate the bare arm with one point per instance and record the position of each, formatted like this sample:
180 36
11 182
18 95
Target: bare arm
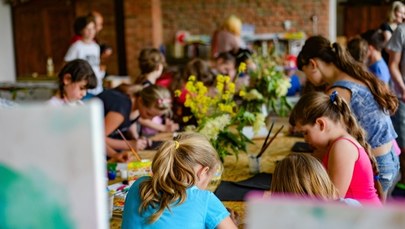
343 93
111 122
170 126
396 76
227 223
342 158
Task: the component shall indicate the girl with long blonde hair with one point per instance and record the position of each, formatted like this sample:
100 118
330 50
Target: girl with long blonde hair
174 197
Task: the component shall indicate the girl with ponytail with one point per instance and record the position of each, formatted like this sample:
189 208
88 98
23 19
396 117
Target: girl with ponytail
329 126
370 100
174 197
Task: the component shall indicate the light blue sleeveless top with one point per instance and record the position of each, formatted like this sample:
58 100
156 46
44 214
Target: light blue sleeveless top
375 121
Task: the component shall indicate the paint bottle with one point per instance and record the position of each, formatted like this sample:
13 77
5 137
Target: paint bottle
49 67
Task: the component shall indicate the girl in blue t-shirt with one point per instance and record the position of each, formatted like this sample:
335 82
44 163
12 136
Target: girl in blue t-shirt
174 197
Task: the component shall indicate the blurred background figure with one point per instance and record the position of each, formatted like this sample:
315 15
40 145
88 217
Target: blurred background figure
395 17
358 49
228 37
290 69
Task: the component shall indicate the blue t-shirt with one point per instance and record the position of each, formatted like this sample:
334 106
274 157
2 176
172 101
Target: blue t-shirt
201 209
295 85
380 69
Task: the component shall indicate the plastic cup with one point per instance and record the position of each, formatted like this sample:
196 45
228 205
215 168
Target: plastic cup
254 164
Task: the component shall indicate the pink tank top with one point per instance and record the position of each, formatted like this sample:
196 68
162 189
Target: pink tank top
361 187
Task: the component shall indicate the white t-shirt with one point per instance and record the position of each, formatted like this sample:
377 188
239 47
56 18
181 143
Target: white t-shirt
91 53
57 102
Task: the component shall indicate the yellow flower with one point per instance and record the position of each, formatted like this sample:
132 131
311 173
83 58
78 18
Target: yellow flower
242 93
177 93
227 79
186 118
220 79
242 67
231 88
192 78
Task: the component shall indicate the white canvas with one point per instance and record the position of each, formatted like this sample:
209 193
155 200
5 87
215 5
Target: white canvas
297 213
56 159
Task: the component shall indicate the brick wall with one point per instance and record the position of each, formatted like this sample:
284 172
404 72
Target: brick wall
201 17
204 16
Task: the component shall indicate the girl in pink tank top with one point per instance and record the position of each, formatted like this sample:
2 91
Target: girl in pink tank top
331 129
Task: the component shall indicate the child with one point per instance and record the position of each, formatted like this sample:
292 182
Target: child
123 106
174 197
87 49
376 63
303 175
370 100
74 79
329 126
290 69
151 63
358 49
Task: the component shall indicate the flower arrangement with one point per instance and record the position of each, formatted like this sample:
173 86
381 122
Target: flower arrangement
218 116
268 86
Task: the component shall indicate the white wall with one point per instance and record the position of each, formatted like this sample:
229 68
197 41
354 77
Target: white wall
332 20
7 61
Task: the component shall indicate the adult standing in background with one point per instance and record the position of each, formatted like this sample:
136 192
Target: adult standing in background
395 17
396 49
228 38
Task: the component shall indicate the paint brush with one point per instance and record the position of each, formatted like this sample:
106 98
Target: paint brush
270 141
129 145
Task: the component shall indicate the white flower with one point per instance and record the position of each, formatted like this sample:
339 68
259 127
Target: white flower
213 126
253 95
258 123
282 88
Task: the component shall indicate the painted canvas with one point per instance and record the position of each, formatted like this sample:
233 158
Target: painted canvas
52 167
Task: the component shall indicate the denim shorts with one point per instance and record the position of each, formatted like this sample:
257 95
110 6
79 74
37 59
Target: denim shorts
388 165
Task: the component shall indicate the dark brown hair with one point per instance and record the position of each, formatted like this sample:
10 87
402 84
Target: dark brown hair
320 47
78 70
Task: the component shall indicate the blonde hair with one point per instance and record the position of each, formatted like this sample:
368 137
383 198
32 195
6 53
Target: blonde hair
394 8
173 172
233 24
314 105
155 96
303 175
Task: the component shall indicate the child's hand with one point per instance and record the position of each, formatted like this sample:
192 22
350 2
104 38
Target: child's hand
171 126
121 157
139 144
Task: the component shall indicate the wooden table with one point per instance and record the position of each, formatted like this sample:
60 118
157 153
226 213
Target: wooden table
238 169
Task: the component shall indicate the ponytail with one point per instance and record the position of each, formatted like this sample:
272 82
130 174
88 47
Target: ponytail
320 47
384 97
313 105
173 172
355 130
